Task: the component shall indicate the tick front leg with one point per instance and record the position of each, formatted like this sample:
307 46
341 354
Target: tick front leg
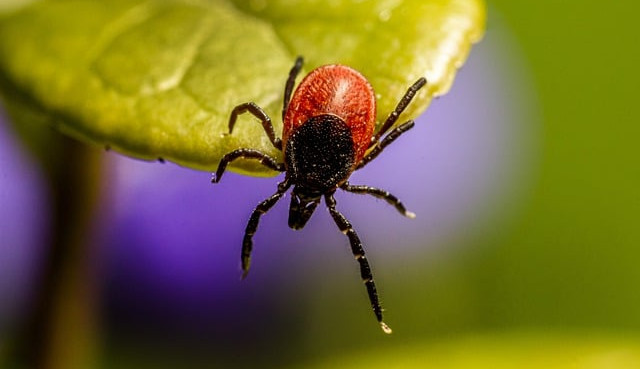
381 194
252 225
264 159
358 252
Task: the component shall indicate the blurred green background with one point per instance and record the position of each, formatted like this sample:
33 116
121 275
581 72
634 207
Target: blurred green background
570 257
547 275
561 265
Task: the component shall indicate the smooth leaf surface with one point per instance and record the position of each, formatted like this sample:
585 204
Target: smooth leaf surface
159 78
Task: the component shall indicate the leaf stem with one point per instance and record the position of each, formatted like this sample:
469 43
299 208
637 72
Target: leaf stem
62 331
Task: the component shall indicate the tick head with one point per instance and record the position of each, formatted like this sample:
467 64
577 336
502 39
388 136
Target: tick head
302 206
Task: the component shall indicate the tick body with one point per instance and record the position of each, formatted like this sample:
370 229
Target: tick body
329 92
328 132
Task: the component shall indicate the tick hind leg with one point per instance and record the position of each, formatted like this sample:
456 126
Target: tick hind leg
252 225
381 194
391 120
288 88
358 252
402 104
386 141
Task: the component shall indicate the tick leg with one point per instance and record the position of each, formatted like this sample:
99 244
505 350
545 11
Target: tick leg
264 159
386 141
404 102
252 225
381 194
356 247
257 112
288 88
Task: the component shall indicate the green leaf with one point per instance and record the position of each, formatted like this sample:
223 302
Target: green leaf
159 78
548 350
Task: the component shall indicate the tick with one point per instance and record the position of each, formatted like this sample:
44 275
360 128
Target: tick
328 133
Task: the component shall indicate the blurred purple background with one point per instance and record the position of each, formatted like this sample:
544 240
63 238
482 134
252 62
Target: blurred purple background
23 223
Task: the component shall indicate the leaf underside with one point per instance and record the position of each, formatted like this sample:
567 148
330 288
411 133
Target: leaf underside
158 79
